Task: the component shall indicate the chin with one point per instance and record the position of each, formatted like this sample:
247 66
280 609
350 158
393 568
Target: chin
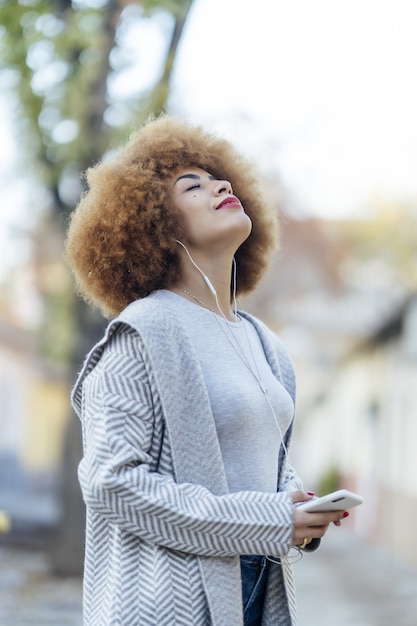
247 225
244 231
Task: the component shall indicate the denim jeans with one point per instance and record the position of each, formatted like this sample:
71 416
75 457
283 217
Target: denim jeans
254 573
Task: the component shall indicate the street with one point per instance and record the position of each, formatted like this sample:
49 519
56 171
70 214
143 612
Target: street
345 583
30 596
348 583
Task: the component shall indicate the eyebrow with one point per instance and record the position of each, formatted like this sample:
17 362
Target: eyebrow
194 177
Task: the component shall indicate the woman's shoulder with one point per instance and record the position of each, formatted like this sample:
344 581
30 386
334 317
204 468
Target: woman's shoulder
149 320
267 335
145 322
154 312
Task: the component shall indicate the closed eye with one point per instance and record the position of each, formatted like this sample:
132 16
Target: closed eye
194 186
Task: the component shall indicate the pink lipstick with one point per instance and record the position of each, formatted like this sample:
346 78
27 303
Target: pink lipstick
229 202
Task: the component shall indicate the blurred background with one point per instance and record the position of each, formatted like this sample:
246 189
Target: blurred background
322 96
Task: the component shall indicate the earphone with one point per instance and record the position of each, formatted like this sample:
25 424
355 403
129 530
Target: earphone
234 287
206 278
209 285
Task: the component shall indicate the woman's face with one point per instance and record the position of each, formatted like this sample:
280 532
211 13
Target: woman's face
212 216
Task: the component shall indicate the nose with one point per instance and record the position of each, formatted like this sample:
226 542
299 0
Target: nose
223 186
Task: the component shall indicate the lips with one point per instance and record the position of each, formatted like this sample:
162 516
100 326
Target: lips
229 202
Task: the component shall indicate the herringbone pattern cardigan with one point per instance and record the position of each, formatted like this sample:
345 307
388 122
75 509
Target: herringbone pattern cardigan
163 533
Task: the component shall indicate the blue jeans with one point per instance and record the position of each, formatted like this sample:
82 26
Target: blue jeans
254 573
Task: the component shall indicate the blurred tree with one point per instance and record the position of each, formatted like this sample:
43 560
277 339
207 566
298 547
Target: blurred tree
62 60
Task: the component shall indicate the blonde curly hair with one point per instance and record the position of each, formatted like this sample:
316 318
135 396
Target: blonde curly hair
121 237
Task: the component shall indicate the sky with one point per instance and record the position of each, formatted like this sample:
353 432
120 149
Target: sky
321 94
330 85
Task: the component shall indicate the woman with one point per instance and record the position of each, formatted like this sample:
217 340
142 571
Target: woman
186 404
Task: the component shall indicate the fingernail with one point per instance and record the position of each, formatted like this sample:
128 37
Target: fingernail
346 514
310 493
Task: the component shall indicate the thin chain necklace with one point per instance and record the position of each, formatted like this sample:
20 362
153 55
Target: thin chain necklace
197 300
206 305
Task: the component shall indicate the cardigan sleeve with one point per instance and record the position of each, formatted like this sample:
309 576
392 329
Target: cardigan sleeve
118 483
291 482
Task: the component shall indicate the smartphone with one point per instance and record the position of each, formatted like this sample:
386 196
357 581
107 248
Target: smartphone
336 501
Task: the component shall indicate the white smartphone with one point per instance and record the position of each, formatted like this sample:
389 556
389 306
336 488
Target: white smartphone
336 501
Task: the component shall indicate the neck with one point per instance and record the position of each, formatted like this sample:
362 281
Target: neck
218 271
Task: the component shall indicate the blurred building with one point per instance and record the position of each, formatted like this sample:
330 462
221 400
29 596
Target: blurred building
362 428
33 415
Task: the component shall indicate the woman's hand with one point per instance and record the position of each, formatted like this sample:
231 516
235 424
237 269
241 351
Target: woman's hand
308 526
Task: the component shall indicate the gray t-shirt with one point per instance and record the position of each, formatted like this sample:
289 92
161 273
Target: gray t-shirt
235 368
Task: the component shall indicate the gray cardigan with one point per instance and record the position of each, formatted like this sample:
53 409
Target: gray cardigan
163 533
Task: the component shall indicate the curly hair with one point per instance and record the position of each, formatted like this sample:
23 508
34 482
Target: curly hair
121 238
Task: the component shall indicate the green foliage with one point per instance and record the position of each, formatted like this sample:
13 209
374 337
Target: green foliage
57 55
330 481
57 61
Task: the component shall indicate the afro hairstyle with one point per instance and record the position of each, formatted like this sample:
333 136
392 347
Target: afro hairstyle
121 241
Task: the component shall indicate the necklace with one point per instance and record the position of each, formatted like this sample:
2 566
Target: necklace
197 300
206 305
